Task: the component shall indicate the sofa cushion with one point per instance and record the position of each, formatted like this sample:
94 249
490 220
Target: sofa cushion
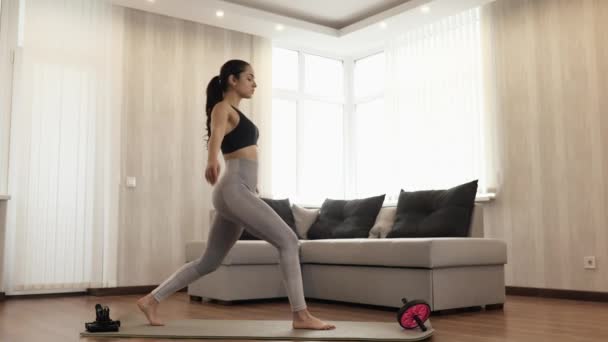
403 252
384 223
435 213
344 219
304 218
421 253
242 253
281 207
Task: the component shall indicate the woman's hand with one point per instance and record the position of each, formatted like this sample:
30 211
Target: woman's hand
212 172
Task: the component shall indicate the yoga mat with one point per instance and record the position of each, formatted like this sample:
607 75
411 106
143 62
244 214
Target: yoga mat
137 326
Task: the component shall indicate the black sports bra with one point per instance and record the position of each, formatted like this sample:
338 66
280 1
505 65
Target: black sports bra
244 134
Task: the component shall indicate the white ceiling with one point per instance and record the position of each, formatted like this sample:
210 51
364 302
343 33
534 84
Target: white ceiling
336 14
361 36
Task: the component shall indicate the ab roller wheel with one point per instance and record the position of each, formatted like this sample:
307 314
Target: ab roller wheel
413 314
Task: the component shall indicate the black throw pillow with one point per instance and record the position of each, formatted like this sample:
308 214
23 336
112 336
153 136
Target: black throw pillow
346 219
435 213
281 207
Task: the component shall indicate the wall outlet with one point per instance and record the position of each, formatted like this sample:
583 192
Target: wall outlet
589 262
131 182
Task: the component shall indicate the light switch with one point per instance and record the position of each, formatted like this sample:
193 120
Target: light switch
131 182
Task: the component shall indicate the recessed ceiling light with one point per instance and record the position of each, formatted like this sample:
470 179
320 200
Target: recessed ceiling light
383 24
151 0
279 27
219 14
425 9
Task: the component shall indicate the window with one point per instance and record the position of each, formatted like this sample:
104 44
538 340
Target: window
373 163
419 126
320 159
307 127
369 76
284 136
285 73
323 77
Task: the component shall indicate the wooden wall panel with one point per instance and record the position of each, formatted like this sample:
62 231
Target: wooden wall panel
167 65
547 62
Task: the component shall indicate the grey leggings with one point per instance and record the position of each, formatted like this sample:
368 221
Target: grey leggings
238 207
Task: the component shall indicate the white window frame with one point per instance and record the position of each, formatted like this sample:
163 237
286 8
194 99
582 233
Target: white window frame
391 198
349 109
299 95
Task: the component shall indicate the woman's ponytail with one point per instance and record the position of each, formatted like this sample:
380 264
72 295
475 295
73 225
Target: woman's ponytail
219 85
215 94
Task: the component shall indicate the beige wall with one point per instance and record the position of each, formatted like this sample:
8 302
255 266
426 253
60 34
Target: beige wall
551 122
167 65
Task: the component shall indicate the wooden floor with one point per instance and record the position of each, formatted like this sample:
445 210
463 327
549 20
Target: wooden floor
523 318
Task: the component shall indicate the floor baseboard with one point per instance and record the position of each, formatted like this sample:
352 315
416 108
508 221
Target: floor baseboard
557 293
120 291
97 292
45 295
124 290
510 290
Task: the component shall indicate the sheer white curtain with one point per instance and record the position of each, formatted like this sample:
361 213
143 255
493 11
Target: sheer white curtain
7 41
434 104
63 170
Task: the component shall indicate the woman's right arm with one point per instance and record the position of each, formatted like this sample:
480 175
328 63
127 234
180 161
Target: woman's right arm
219 124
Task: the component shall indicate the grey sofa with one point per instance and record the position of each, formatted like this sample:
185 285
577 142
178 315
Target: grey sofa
448 273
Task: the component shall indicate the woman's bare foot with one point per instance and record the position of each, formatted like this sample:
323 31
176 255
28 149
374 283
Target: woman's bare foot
148 306
304 320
